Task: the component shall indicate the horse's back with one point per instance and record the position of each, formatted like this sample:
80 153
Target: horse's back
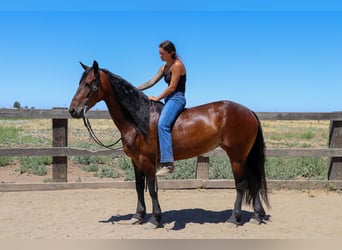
202 128
224 108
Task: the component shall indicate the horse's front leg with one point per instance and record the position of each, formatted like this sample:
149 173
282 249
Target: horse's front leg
139 186
155 220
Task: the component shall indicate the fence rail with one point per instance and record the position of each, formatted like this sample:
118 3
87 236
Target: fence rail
69 151
60 151
62 113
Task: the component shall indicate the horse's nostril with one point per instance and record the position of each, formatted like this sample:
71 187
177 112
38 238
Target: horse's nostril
72 111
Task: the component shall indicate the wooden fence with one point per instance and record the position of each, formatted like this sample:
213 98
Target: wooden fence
60 150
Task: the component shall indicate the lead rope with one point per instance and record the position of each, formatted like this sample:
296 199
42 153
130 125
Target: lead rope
95 138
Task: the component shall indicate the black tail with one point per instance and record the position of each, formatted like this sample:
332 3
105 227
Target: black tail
256 169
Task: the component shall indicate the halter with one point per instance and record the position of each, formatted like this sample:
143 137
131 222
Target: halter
87 122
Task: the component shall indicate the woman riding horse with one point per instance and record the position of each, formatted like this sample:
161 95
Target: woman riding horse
231 126
174 74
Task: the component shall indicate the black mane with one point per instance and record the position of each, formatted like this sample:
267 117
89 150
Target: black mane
135 104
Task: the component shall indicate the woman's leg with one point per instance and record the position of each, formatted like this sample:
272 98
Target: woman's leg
171 110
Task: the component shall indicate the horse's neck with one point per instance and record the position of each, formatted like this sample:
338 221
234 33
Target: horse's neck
116 112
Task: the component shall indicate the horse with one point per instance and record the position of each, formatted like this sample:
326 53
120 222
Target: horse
197 130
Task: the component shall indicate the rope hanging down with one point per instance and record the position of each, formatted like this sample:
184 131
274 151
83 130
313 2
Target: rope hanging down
92 134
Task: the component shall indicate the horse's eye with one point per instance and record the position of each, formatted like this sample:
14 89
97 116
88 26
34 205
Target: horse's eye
87 84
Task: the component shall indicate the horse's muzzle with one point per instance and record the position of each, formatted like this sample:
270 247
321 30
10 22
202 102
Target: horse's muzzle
76 112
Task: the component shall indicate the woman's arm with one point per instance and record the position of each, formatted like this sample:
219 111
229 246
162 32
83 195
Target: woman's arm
176 74
152 81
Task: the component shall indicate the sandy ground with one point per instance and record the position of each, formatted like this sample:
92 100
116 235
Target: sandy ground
190 214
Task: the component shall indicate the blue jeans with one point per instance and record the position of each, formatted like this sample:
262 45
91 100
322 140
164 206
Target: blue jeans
174 104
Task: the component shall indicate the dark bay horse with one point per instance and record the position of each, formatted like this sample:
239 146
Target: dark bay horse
233 127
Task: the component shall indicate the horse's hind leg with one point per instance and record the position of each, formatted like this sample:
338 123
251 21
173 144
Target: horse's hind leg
240 185
259 215
236 216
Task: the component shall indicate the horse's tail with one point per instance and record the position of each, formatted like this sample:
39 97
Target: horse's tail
256 169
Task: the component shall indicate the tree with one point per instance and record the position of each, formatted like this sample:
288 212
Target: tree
17 105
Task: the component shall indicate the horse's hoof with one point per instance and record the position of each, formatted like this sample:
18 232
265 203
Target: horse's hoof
234 222
260 219
257 221
150 226
133 221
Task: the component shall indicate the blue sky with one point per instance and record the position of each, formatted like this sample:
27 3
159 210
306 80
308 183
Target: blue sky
270 56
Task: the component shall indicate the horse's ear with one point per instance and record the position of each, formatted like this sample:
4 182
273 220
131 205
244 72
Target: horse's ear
85 67
95 67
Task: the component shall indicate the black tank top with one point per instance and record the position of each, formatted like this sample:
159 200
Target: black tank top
181 83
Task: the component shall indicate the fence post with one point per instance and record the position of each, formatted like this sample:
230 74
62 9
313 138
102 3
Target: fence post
335 141
202 168
59 139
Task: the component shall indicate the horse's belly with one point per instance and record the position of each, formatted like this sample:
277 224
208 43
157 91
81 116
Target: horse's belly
193 144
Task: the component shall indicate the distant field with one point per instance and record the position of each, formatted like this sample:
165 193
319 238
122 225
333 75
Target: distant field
38 133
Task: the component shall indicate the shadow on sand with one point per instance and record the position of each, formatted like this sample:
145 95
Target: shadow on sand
179 218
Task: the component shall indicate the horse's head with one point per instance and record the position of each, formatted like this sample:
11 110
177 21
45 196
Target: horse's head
89 91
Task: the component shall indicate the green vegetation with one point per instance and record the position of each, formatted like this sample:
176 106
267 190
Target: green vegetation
278 134
125 164
5 160
185 169
296 168
35 165
91 160
108 172
8 135
90 168
307 135
219 168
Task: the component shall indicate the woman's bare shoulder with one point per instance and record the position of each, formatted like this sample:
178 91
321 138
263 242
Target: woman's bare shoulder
179 65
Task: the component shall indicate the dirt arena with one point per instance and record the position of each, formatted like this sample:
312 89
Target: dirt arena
189 214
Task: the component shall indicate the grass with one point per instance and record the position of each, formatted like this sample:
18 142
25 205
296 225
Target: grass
284 134
296 168
8 135
219 168
308 135
5 160
278 134
35 165
108 172
126 166
184 169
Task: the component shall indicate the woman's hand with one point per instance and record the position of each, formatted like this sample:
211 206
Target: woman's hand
153 98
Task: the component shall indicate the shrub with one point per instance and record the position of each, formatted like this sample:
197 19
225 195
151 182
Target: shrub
184 169
4 161
89 160
91 168
126 165
290 168
108 172
34 165
219 168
